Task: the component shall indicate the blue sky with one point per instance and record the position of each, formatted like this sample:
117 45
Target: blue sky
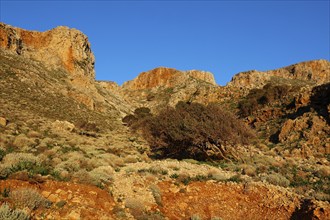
223 37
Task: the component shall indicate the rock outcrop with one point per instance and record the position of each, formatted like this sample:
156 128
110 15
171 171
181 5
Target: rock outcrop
60 47
163 86
316 71
166 77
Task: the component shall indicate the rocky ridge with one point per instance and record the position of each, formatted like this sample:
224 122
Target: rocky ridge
315 71
60 47
166 77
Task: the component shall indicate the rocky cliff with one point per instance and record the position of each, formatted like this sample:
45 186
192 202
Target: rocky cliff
60 47
163 86
166 77
60 50
316 71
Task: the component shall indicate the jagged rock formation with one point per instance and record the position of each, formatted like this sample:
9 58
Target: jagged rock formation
60 47
166 77
316 71
162 86
63 53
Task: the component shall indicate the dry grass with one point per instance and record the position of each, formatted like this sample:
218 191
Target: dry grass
6 213
277 179
136 207
13 159
23 142
156 194
248 169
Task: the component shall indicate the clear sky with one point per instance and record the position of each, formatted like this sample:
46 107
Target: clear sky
223 37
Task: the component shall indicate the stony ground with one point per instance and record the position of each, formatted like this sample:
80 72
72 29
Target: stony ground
197 200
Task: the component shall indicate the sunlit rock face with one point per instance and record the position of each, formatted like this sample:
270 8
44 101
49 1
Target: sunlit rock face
167 77
316 71
60 47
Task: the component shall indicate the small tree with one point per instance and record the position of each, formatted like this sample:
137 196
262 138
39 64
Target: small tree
194 131
139 114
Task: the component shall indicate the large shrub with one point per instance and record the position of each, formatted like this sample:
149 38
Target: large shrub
193 131
139 114
258 98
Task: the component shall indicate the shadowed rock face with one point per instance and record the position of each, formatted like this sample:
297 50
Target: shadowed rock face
60 47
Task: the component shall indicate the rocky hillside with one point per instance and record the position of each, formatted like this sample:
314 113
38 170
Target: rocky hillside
65 153
162 86
316 72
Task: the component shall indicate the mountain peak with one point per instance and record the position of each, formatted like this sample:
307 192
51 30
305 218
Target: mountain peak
167 77
62 47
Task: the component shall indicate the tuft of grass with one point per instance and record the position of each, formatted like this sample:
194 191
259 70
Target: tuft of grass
195 217
156 194
174 176
2 154
5 192
236 178
277 179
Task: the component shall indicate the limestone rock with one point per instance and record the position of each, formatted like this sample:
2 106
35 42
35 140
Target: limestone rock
166 77
61 46
249 79
3 121
63 125
202 75
110 86
317 71
82 98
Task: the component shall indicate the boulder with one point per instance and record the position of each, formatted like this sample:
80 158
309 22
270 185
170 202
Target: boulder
63 126
3 121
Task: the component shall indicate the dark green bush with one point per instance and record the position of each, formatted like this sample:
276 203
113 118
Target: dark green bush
129 119
193 131
257 98
2 154
142 112
88 126
139 114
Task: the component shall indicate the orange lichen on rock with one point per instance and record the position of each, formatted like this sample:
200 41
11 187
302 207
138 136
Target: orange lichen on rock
69 60
34 39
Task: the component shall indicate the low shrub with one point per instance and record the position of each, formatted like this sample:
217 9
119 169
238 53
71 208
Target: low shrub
14 162
136 207
2 154
6 213
139 114
156 194
26 197
88 126
257 98
277 179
